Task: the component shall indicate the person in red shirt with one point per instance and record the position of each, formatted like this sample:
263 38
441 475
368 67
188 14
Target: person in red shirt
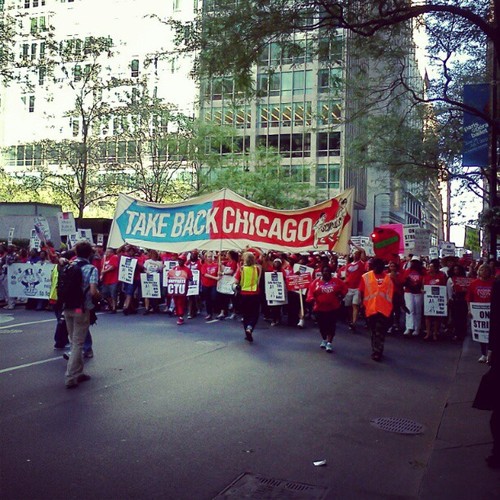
397 297
437 278
275 311
327 294
353 272
178 280
228 268
109 278
413 279
480 291
209 274
457 286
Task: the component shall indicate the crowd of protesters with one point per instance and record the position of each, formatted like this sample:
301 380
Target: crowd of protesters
340 276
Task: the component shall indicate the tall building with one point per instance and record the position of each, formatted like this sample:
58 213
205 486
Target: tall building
40 104
304 107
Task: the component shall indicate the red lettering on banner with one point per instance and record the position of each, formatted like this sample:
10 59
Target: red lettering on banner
236 221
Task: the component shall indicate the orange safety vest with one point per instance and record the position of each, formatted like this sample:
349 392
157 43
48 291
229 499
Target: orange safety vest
377 298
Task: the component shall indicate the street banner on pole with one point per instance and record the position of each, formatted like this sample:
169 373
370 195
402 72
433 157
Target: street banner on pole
476 130
224 220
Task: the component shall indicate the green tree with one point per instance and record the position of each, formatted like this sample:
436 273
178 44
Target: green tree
230 37
82 170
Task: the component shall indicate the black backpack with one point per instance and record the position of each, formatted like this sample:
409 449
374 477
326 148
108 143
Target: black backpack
70 293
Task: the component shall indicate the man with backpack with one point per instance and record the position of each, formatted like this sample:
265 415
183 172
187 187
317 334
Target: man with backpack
77 286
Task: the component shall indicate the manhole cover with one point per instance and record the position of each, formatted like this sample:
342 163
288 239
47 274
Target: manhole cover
259 487
398 425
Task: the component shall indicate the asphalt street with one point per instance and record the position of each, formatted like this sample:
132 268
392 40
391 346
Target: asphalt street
180 412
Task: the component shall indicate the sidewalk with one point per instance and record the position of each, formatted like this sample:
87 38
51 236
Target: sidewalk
457 469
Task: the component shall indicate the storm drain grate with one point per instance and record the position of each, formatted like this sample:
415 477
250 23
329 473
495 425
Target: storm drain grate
398 425
258 487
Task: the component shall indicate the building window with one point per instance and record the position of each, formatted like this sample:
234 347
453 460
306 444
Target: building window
328 144
26 4
289 145
134 68
41 75
77 73
31 104
328 176
33 51
297 173
329 80
25 50
329 112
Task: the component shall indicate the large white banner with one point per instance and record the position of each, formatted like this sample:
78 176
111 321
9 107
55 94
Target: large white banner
480 323
30 281
435 302
224 220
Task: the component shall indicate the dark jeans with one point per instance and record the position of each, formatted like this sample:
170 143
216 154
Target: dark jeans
250 309
61 333
209 294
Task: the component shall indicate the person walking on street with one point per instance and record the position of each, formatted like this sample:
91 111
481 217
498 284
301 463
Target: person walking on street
413 278
353 273
327 294
78 315
248 278
377 289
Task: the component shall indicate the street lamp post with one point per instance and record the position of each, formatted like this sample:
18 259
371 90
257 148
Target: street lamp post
375 196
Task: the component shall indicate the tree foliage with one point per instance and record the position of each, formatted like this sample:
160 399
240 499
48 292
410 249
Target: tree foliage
386 104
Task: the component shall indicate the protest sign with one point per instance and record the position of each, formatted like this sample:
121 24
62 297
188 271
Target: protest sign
225 285
167 266
10 239
66 223
127 269
30 281
194 286
150 285
435 301
480 323
275 288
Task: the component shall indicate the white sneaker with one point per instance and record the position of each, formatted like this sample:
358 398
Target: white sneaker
329 347
232 316
301 323
415 333
407 333
482 359
323 344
